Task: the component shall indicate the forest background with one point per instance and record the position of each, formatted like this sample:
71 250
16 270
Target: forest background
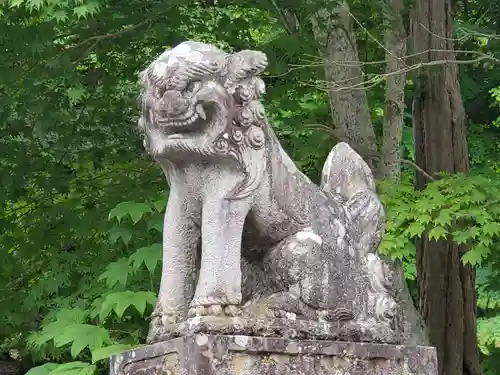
82 204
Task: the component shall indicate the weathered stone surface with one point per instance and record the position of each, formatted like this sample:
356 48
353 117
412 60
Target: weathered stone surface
254 325
246 233
245 355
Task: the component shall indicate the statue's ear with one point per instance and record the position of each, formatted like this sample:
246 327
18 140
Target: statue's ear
243 64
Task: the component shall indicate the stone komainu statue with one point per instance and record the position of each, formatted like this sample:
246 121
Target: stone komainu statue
251 245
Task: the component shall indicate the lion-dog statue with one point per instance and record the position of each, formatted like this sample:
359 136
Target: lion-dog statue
249 242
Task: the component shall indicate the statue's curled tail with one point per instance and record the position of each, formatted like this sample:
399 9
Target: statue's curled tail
347 175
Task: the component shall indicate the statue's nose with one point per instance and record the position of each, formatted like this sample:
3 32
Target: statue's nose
172 103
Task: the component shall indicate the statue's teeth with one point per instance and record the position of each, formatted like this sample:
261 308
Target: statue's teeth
200 111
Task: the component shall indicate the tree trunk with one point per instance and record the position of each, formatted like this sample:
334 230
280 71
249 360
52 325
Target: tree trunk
349 107
447 287
395 44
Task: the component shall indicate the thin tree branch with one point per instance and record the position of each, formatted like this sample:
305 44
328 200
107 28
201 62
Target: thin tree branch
281 17
321 62
98 38
419 169
400 59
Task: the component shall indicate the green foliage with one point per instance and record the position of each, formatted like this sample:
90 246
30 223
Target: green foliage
81 214
463 209
106 324
488 331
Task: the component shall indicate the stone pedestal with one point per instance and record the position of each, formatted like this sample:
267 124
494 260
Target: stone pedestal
244 355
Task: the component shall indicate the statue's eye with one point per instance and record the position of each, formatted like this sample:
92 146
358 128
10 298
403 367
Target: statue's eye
192 87
159 91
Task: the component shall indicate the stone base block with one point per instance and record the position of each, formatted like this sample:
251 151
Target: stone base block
245 355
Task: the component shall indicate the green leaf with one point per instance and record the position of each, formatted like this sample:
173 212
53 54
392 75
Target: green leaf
73 315
76 94
138 210
415 230
120 211
119 232
85 335
460 237
74 368
444 218
410 270
34 4
121 301
160 204
488 333
86 9
116 273
424 219
60 16
466 235
492 228
105 309
471 257
78 345
477 254
133 209
16 3
150 256
108 351
438 232
156 223
45 369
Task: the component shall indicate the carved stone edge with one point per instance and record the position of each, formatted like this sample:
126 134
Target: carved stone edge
294 329
415 355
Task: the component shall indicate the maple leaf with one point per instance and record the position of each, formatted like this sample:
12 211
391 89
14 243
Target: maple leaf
149 255
81 336
76 94
59 15
121 301
438 232
135 210
156 223
119 232
116 273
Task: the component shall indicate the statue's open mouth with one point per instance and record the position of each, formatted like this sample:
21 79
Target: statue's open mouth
190 122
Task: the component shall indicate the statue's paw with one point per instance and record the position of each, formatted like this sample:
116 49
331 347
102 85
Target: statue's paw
214 310
165 318
205 310
223 300
161 325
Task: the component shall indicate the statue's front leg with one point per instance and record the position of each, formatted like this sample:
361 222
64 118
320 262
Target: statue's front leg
219 284
180 240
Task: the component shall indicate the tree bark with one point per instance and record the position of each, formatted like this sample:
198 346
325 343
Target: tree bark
447 287
395 44
349 107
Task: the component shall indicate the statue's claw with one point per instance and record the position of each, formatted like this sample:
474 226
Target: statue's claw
161 324
214 310
232 310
